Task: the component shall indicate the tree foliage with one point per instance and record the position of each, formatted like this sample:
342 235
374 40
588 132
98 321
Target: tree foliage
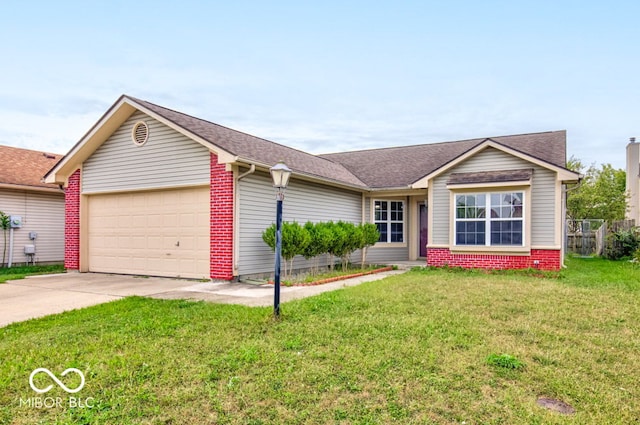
321 239
370 235
601 195
295 239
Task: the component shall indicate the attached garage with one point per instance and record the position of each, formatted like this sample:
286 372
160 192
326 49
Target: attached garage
155 233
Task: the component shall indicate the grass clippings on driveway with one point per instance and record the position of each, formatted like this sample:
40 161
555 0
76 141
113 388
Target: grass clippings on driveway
412 348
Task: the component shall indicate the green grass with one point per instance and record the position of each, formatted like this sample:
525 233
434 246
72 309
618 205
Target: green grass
20 272
410 349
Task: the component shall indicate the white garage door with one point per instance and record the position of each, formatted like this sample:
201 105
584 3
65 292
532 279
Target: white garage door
158 233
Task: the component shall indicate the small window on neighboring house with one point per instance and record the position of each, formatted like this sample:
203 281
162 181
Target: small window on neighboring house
490 219
389 218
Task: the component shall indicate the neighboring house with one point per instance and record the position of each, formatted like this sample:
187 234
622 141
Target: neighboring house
153 191
40 206
633 181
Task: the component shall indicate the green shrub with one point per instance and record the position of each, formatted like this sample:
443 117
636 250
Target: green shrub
370 235
321 239
339 239
623 244
636 257
295 239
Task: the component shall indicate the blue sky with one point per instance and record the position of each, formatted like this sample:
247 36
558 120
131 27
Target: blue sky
329 76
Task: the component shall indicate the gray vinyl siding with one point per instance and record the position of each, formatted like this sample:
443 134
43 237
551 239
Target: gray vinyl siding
256 203
543 208
167 159
381 253
42 213
543 203
386 255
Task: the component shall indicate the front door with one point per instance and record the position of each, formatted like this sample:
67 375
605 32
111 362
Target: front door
423 230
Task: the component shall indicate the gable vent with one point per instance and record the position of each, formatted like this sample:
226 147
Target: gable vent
140 133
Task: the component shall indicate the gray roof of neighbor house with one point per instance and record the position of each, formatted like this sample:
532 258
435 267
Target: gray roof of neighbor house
24 168
255 149
404 165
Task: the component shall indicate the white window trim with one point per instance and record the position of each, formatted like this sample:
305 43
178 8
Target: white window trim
389 221
526 220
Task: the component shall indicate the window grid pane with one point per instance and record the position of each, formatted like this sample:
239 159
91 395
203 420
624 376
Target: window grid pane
389 218
505 219
396 232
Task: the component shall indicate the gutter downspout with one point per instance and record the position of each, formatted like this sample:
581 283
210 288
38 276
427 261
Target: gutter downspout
236 217
252 169
10 260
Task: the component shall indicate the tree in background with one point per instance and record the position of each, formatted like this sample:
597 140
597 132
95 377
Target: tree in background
601 195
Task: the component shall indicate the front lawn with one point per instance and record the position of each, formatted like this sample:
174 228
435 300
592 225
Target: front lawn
20 272
430 346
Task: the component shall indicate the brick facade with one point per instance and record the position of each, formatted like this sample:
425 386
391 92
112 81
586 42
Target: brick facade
221 221
547 260
72 222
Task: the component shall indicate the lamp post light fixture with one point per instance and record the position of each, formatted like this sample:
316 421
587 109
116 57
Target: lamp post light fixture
280 174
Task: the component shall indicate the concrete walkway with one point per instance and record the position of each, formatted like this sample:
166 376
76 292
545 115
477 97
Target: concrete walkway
261 295
39 296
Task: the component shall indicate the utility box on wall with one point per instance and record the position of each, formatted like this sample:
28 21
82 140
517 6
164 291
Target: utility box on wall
15 221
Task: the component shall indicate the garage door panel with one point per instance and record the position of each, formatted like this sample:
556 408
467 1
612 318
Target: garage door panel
162 233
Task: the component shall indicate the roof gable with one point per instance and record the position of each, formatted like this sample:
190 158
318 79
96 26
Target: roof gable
386 168
24 168
230 145
562 173
251 149
405 165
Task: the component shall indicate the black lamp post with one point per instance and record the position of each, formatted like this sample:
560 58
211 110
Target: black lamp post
280 174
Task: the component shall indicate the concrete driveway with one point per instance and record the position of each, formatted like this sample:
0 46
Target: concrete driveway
38 296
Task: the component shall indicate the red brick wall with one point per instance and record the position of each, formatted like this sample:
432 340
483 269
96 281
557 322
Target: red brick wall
72 222
221 221
547 260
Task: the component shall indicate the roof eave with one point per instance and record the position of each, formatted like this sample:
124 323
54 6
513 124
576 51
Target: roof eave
562 174
31 188
117 114
300 174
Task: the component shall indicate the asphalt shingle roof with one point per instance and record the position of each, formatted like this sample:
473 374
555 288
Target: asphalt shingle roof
24 167
393 167
404 165
256 149
491 176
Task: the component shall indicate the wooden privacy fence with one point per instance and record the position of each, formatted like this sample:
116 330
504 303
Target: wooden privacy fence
585 237
589 237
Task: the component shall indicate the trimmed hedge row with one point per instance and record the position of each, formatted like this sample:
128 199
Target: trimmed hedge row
339 239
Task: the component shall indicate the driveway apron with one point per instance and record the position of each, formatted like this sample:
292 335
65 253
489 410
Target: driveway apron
39 296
